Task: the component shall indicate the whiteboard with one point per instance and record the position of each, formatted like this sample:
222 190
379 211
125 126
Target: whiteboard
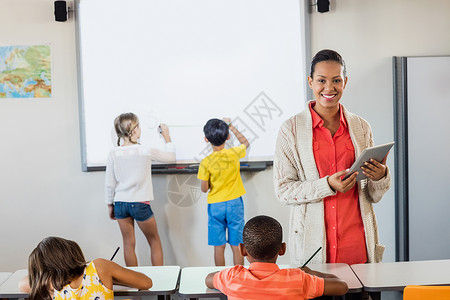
183 62
428 159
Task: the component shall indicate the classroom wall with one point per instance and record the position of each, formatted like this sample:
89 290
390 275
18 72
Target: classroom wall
44 192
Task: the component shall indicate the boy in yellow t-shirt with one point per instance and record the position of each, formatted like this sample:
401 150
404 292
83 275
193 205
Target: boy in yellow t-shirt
220 174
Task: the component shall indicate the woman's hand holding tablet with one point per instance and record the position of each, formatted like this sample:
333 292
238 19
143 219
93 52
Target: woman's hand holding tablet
373 168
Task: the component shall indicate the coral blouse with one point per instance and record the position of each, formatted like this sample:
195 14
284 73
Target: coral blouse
344 228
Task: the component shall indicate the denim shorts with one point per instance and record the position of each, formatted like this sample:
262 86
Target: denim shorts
223 215
136 210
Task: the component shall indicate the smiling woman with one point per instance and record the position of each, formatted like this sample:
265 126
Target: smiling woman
314 150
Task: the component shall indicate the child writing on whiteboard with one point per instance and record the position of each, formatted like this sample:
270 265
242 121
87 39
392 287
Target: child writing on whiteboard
220 174
57 269
128 185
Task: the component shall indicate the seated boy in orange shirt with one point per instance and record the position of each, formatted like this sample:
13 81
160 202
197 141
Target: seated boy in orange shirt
263 242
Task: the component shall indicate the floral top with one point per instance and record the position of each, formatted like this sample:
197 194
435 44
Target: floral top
91 288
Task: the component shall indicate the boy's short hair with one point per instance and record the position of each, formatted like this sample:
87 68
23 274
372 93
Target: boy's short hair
216 131
263 236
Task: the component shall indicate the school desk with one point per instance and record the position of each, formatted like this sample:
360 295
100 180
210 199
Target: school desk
192 281
395 276
4 276
165 279
10 288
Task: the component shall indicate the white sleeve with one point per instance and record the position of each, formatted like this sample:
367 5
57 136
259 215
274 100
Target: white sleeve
110 181
168 155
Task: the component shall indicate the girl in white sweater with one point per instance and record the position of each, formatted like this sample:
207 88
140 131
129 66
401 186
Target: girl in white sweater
129 187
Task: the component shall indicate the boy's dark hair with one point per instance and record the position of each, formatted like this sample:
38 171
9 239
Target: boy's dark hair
263 236
327 55
216 131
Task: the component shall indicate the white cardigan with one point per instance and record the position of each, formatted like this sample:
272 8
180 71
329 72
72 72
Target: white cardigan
297 183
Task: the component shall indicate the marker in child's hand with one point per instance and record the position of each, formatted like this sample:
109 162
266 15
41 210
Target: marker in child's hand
159 129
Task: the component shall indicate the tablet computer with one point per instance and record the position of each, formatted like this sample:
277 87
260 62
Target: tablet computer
376 152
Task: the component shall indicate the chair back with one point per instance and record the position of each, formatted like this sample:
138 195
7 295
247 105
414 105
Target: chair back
420 292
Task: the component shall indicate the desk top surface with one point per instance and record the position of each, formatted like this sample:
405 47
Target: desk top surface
343 271
4 276
10 287
165 279
396 275
192 281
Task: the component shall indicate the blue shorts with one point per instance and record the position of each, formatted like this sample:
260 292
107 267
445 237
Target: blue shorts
223 215
136 210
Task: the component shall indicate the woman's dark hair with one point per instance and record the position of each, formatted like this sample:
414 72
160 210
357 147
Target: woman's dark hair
263 236
216 131
327 55
55 262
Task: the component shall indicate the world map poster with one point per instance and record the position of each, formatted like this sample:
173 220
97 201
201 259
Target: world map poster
25 72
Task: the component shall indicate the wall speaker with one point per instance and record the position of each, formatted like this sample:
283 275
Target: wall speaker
60 11
323 6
